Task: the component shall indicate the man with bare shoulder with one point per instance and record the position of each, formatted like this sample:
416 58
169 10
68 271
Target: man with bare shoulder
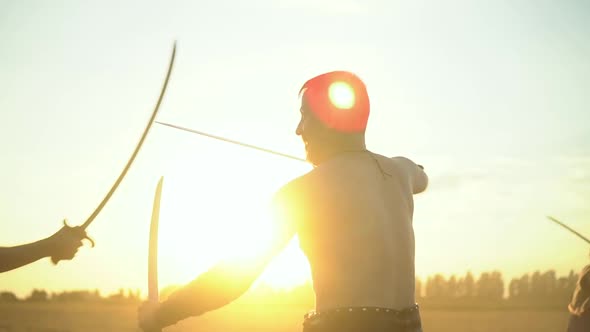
353 215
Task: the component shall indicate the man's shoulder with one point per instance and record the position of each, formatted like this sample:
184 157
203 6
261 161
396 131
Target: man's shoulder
403 160
297 185
398 163
292 198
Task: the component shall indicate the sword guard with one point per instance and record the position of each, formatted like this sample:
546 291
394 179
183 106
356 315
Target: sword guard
86 237
82 235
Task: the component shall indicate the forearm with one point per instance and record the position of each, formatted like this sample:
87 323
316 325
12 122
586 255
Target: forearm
17 256
212 290
227 280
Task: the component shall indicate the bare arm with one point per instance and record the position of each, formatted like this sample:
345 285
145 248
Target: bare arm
15 257
227 280
64 243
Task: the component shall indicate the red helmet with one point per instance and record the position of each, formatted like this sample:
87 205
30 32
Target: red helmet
338 99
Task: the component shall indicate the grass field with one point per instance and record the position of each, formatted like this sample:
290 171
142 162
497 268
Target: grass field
52 317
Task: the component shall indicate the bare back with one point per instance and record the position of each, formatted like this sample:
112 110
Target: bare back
357 233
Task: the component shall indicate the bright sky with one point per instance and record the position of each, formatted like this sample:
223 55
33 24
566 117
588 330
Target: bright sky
492 97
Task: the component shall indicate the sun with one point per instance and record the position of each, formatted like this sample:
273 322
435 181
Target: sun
289 269
341 95
203 221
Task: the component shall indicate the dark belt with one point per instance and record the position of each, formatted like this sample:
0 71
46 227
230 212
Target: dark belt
407 319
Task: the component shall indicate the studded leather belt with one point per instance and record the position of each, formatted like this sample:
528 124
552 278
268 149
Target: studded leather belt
364 319
363 310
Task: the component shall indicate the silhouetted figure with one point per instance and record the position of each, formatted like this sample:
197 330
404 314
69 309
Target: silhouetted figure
353 215
579 307
62 245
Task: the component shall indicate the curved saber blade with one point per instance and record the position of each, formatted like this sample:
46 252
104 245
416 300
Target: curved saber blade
147 128
153 292
569 229
232 141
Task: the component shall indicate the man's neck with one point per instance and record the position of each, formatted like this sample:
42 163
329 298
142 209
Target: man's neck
330 152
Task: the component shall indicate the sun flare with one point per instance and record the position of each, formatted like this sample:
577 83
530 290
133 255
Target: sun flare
341 95
202 224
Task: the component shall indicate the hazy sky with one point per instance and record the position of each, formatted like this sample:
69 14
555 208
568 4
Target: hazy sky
491 96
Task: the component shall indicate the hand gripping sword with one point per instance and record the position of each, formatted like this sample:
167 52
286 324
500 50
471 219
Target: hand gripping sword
81 230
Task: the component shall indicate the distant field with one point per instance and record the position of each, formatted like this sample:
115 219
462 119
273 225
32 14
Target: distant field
24 317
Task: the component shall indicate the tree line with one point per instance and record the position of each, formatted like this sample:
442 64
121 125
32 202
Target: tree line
40 295
541 290
531 290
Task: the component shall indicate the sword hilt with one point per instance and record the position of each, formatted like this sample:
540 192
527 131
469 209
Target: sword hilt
81 234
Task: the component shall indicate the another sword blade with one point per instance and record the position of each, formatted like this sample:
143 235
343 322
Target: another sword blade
251 146
143 136
153 290
569 229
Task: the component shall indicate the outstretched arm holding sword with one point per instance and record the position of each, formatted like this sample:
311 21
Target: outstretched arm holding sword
64 244
223 283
